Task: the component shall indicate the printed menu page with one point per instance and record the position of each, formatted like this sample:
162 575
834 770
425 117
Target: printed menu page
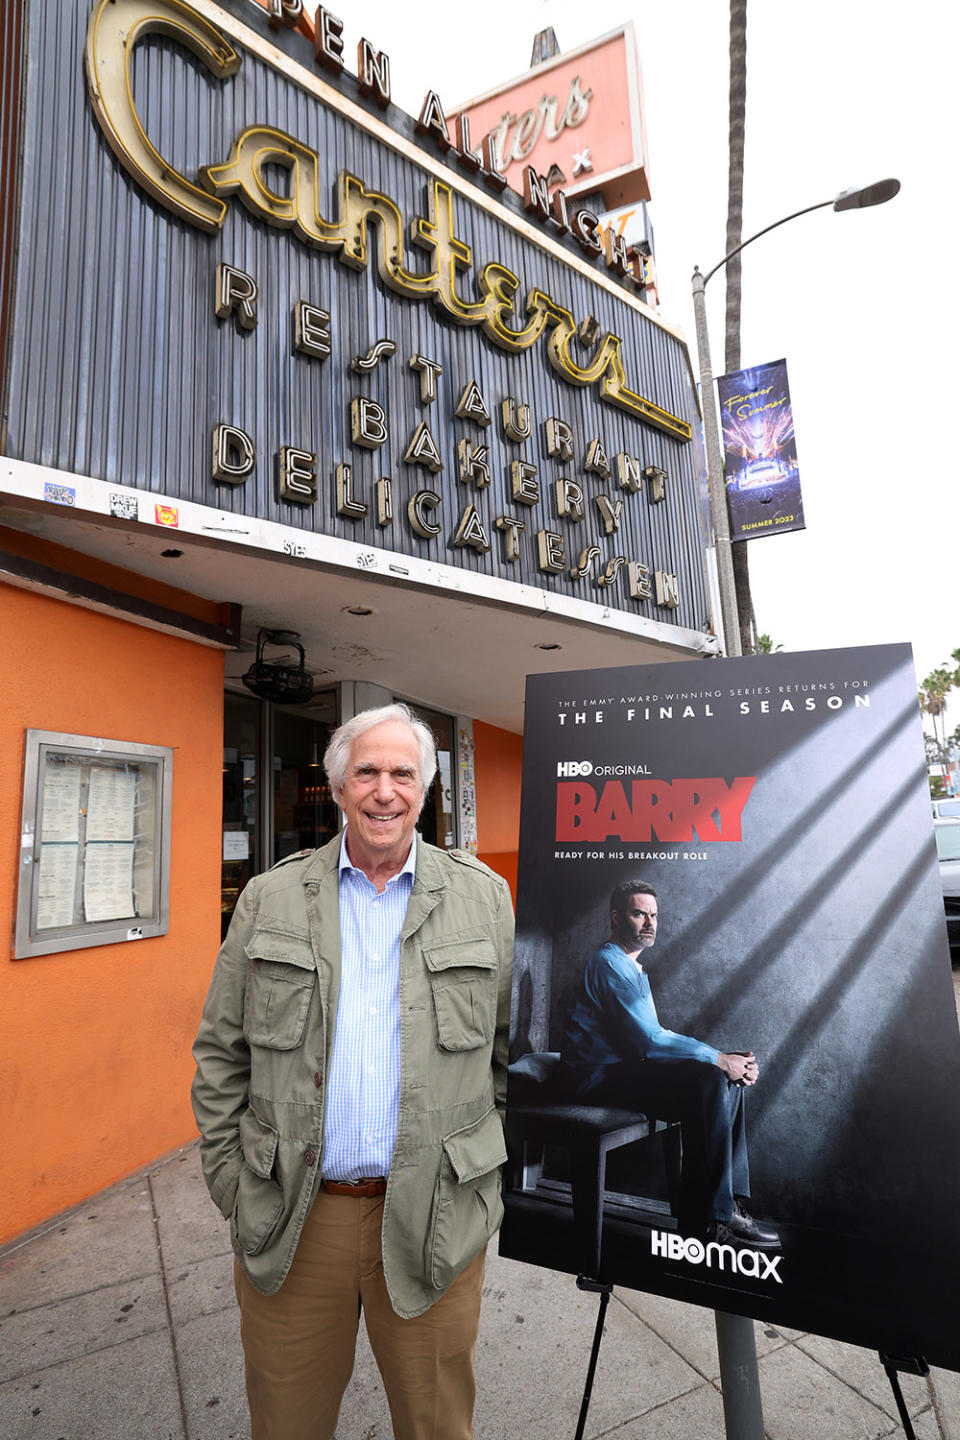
57 885
110 803
108 882
61 802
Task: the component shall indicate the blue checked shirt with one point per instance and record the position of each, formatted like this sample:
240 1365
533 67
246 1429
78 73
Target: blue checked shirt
363 1089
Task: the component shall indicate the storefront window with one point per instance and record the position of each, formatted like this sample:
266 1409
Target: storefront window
241 799
437 822
276 799
304 815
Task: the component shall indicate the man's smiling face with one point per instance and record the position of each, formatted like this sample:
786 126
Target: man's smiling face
381 796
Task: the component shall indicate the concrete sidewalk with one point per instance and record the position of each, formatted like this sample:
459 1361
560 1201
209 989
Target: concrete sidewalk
120 1321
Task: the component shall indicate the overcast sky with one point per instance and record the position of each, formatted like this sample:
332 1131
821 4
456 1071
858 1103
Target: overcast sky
862 304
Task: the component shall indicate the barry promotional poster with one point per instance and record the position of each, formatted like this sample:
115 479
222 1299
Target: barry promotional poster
735 1062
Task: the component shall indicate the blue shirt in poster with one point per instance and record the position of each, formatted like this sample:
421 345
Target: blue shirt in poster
614 1019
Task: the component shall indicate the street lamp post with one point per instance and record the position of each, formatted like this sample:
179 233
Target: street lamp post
876 194
715 477
736 1347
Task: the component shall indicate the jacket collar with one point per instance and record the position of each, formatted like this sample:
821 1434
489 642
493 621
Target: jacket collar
429 873
322 875
325 862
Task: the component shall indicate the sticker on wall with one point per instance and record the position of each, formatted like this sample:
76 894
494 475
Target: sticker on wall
468 808
59 494
167 515
124 507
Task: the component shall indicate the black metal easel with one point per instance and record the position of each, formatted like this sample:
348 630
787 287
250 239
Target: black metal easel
601 1288
895 1365
907 1365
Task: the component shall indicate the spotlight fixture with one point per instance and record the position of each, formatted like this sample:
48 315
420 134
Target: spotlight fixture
275 679
547 645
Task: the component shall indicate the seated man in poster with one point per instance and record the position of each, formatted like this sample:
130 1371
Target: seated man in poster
620 1054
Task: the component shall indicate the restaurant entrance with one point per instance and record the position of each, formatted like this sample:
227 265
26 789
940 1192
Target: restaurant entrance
276 799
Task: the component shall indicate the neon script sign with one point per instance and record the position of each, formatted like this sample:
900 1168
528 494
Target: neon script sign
367 223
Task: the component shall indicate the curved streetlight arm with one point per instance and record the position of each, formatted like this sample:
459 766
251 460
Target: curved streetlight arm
765 231
854 199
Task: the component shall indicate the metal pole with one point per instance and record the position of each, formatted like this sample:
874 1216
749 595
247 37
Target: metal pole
739 1377
946 1406
715 481
736 1346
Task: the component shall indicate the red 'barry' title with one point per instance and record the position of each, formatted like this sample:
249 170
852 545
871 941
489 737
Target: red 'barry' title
662 810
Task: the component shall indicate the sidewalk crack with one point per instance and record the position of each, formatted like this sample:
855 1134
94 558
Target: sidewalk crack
80 1355
665 1340
56 1300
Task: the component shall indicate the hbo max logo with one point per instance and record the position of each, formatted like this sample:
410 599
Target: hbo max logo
570 769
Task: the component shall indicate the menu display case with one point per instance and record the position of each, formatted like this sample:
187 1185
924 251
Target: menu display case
94 843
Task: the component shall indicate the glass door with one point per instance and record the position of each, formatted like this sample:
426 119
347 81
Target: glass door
241 799
276 799
304 813
438 823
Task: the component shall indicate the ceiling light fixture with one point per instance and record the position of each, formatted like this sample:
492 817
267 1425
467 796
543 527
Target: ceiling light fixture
278 680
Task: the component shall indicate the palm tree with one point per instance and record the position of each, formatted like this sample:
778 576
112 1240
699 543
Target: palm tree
737 123
933 700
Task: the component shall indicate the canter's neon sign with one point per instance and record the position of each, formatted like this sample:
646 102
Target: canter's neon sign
367 224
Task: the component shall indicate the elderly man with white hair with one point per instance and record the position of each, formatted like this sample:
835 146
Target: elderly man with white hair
351 1076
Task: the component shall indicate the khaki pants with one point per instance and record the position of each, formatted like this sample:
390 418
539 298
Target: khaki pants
299 1344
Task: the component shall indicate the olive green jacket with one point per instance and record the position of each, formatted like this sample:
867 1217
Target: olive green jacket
263 1057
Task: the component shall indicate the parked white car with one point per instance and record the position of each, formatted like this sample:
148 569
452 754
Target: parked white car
947 832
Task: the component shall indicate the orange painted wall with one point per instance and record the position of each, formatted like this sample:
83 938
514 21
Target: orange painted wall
95 1060
498 756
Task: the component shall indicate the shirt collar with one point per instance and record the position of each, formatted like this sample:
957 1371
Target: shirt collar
408 868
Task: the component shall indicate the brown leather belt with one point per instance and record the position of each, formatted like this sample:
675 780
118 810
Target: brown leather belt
363 1189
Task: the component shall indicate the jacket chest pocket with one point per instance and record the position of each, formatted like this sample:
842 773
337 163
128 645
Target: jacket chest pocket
463 982
280 985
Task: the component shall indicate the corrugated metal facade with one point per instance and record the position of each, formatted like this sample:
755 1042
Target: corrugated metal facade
120 368
11 57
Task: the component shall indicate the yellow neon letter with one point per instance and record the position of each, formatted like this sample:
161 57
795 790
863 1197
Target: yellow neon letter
114 29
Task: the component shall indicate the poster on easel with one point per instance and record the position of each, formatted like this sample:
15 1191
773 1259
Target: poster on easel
735 1059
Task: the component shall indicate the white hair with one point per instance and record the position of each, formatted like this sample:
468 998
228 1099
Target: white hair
336 757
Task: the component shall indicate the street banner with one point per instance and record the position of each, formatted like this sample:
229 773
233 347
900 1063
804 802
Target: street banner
735 1061
760 452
